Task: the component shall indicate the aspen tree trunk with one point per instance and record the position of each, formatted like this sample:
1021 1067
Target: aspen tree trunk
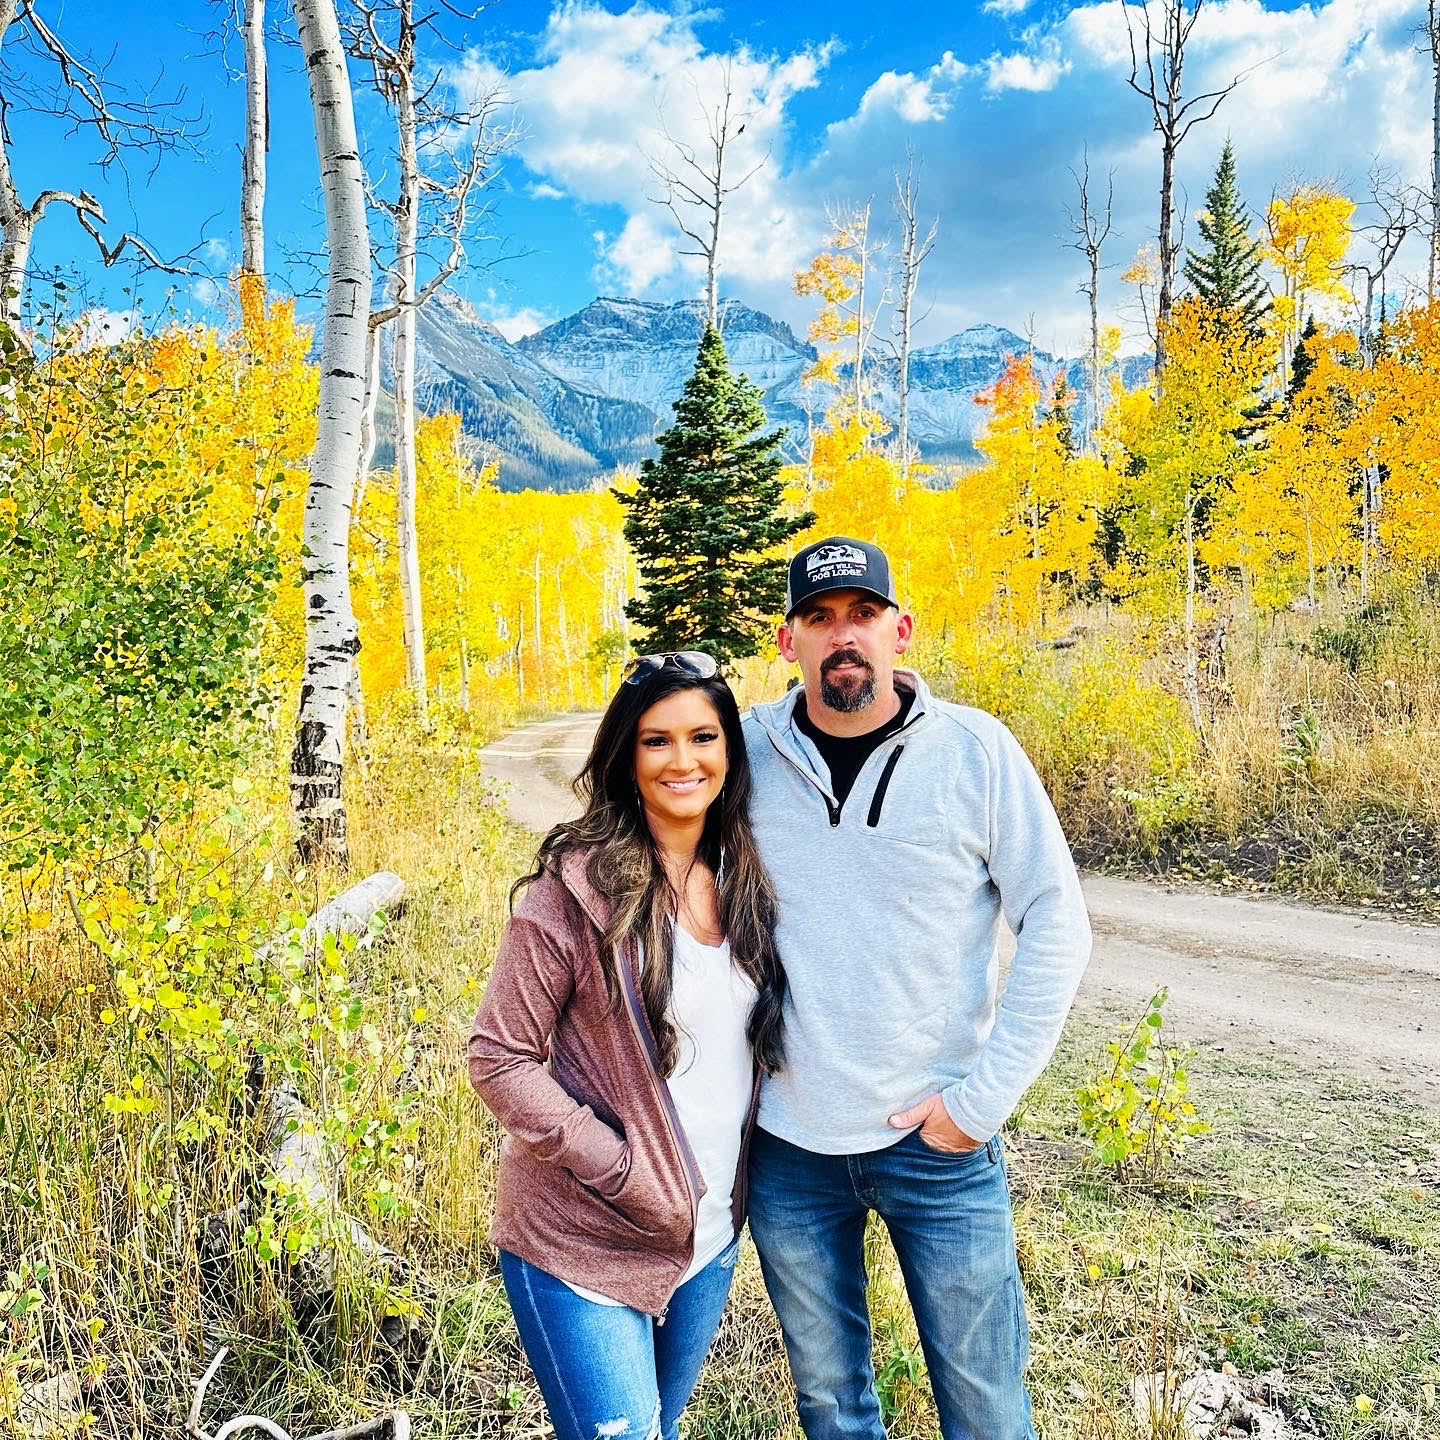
1165 302
407 217
565 639
17 220
1365 535
331 641
520 653
860 312
1310 560
1192 659
464 655
17 232
368 435
914 251
1433 34
1097 409
712 254
535 637
257 141
359 724
904 435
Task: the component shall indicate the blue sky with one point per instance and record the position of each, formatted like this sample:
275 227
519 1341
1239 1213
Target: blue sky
997 101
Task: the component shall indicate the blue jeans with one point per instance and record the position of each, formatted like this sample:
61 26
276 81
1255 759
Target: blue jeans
950 1222
607 1371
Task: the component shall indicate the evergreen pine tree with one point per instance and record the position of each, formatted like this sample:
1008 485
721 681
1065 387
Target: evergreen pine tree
705 517
1226 274
1063 418
1302 362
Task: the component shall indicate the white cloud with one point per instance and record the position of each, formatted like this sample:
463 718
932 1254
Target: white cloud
1024 72
915 98
1333 83
597 107
515 324
1005 7
642 253
100 327
204 290
216 250
541 191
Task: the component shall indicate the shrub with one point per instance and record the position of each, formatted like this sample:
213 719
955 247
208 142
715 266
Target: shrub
132 616
1135 1112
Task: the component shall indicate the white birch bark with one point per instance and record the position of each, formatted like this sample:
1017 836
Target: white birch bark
331 641
402 280
1432 31
1091 233
17 220
913 253
257 141
369 436
863 225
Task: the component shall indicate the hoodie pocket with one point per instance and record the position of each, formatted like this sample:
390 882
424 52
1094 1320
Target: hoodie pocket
640 1200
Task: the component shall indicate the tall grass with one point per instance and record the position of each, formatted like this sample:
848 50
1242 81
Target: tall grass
1317 771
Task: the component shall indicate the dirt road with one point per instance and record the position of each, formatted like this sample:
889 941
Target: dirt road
1327 987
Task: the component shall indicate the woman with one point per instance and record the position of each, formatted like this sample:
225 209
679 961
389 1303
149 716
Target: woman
633 1005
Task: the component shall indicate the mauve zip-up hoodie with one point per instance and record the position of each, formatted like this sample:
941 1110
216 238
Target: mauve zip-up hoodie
597 1183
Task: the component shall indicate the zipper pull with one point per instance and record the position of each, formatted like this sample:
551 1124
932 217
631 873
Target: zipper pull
660 1318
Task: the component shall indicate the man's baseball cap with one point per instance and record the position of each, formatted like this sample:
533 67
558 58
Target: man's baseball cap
838 563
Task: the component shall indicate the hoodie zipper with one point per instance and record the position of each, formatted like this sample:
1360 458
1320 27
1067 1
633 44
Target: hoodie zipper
688 1162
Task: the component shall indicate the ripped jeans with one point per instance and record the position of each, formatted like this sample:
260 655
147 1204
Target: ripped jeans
607 1371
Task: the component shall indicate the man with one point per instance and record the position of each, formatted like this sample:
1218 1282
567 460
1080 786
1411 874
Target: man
897 829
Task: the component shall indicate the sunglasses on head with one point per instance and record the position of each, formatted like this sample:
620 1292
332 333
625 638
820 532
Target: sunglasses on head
690 662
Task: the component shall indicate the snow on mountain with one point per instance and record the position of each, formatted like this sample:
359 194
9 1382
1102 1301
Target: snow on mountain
568 404
546 433
646 351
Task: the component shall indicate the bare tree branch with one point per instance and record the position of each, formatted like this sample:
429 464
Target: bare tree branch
82 96
1398 208
706 194
1091 232
915 249
1157 74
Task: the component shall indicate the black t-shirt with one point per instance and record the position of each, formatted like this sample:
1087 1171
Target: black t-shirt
846 754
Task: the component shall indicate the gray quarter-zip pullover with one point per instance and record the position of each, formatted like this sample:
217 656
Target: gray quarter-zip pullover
889 914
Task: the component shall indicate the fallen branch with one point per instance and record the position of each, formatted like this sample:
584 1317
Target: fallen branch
296 1153
397 1420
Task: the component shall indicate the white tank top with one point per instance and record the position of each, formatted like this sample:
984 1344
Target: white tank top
710 1004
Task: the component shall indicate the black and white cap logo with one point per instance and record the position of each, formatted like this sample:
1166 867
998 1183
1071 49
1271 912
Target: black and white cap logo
838 563
831 559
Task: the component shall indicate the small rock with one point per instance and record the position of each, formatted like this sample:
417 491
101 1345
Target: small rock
53 1407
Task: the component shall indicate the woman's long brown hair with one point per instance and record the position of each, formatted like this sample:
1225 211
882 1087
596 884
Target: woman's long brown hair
625 866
